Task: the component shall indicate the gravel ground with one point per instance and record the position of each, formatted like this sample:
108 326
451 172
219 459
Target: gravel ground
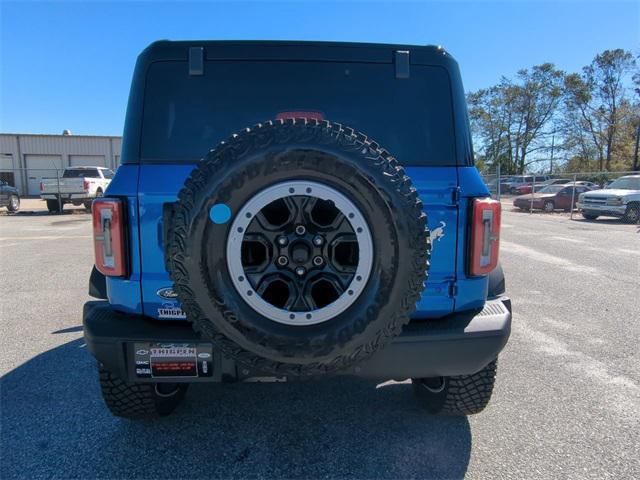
566 404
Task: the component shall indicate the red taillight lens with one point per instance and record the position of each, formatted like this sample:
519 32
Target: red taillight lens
85 185
300 114
109 236
485 236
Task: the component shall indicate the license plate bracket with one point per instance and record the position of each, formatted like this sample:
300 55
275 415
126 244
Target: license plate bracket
165 360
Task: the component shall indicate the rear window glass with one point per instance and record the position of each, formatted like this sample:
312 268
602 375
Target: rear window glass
185 116
80 172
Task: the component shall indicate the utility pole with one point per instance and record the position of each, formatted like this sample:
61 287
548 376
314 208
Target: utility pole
635 153
553 140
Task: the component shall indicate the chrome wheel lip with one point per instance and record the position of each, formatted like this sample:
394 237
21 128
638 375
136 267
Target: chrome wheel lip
286 189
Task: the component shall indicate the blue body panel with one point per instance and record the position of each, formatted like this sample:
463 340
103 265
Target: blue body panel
436 186
159 184
444 191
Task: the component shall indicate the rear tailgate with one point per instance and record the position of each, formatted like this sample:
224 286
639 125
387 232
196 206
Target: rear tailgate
160 184
62 185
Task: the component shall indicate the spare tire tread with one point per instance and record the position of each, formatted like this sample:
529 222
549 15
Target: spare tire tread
289 131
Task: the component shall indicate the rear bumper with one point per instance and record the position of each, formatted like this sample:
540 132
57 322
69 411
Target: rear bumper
459 344
66 196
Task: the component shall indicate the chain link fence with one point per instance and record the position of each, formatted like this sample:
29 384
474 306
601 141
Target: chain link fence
585 195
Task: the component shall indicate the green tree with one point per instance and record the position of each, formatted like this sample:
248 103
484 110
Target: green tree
597 108
510 121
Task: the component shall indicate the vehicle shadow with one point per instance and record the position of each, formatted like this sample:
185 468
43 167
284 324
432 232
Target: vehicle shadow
55 424
45 213
600 220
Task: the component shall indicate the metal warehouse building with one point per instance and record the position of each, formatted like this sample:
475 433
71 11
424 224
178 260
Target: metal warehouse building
27 158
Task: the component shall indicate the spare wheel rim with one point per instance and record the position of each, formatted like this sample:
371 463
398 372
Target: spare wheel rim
299 253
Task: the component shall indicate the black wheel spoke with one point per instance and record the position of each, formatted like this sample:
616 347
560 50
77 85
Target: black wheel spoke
256 275
302 303
257 252
343 278
342 227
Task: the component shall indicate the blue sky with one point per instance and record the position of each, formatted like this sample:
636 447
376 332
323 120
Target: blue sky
67 65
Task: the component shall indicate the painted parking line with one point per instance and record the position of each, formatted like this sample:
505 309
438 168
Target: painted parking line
568 239
547 258
628 251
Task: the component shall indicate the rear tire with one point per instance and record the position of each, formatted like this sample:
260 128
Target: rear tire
459 395
549 206
14 204
139 400
589 216
53 206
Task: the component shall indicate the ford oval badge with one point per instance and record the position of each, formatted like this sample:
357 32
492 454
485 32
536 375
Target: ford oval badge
167 292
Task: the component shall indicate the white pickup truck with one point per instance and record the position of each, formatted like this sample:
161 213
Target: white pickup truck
621 198
77 185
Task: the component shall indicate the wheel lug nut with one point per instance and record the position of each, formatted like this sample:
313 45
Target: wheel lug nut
317 261
318 240
300 271
282 241
300 230
282 260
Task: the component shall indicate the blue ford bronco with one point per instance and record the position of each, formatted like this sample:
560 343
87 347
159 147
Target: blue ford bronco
290 210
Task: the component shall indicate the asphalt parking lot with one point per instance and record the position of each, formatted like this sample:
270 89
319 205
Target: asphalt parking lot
566 404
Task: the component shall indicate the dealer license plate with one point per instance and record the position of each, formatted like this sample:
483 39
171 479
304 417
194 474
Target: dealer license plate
171 360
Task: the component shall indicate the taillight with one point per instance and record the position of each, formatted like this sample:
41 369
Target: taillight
109 236
85 185
485 236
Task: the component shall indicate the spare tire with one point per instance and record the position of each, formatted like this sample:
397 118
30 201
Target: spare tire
298 247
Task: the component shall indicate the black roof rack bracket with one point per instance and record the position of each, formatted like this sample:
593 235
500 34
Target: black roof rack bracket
402 63
196 61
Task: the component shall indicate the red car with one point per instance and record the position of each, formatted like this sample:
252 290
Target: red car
550 198
526 187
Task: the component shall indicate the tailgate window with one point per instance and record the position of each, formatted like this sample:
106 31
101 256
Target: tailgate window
185 116
80 172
